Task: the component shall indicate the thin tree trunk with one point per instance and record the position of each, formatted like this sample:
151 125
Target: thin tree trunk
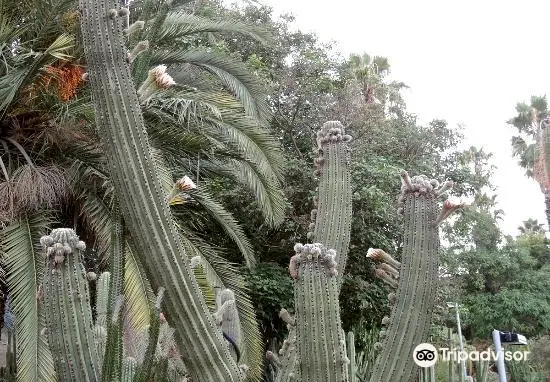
547 209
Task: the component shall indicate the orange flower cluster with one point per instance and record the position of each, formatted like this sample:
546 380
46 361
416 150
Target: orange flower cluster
66 79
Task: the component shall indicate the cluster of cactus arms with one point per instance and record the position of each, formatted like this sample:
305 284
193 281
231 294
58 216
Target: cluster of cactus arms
315 349
84 350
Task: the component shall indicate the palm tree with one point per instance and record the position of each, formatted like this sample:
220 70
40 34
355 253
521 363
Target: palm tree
527 145
531 227
370 72
53 172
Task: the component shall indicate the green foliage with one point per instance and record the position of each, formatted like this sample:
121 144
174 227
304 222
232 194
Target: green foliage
505 286
271 290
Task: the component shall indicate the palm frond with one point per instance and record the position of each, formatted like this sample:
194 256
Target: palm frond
219 116
28 65
139 296
227 222
178 25
174 142
232 73
267 192
24 265
244 136
227 275
39 187
96 215
163 171
187 107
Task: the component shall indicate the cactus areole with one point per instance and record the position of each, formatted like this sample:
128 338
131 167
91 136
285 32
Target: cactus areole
120 124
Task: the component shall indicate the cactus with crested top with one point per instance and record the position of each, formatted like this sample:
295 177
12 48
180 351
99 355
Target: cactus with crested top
142 200
320 340
71 331
331 217
415 278
67 308
316 348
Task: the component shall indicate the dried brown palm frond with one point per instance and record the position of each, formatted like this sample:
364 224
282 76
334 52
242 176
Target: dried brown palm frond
38 187
6 202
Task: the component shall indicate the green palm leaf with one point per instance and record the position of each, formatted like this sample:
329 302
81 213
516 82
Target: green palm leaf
138 293
251 141
95 214
181 24
232 73
24 266
227 222
271 199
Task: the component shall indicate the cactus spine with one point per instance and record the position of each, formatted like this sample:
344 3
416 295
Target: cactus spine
67 308
142 200
416 278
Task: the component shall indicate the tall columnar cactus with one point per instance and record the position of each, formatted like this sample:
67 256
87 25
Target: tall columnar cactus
415 277
142 201
112 361
320 340
284 364
315 349
331 219
102 303
67 308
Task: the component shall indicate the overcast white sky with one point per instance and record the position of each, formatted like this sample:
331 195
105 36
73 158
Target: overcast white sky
466 62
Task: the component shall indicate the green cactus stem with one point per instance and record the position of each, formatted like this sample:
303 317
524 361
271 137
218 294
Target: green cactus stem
129 367
541 170
146 367
413 301
315 348
112 363
350 347
142 200
227 317
67 308
286 364
320 340
332 213
102 303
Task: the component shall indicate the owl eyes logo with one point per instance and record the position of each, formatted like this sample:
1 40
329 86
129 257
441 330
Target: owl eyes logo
425 355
